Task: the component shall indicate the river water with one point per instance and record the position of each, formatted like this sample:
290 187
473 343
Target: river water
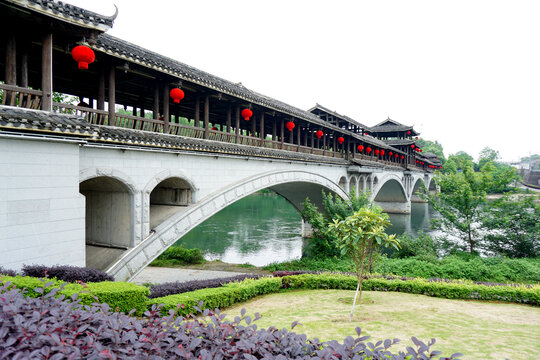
265 228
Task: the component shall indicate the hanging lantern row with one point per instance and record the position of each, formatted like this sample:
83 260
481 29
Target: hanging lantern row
340 140
290 126
83 55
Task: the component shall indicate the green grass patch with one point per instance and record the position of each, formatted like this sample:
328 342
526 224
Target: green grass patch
480 330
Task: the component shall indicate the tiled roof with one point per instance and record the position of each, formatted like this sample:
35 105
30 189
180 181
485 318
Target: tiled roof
342 117
69 13
398 142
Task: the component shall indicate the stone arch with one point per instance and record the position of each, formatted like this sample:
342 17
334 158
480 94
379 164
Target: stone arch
344 184
94 172
166 193
292 185
432 187
353 183
109 216
416 187
391 196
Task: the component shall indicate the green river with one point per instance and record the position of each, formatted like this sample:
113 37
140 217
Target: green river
265 228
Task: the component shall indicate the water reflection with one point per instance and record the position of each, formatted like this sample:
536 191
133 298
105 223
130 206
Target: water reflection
258 230
264 228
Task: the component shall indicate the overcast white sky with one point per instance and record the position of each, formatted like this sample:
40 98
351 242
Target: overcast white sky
463 72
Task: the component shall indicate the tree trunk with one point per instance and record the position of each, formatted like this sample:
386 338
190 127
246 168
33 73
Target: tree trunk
360 276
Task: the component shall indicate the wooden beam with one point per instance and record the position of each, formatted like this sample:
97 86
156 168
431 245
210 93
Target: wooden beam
166 111
112 95
46 72
206 116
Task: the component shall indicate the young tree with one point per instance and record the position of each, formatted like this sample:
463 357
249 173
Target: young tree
487 155
516 226
322 243
459 203
357 235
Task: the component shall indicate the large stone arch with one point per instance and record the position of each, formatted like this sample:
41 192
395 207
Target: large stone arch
391 196
109 214
293 185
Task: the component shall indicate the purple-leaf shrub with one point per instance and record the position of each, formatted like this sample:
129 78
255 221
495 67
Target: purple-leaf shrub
7 272
67 273
50 328
172 288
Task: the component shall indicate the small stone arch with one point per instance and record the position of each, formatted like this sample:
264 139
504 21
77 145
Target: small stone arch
95 172
416 187
391 196
353 184
344 184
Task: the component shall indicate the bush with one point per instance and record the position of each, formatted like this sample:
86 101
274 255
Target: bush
231 293
7 272
178 255
423 247
465 289
120 296
68 330
67 273
182 287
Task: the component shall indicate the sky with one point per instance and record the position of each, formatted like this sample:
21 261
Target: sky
464 72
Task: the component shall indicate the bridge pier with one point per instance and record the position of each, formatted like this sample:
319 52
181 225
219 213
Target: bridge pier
395 207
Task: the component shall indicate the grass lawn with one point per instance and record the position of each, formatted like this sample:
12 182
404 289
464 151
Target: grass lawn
479 330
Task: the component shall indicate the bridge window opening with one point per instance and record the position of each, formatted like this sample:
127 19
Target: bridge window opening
432 186
108 217
417 186
343 184
391 198
168 197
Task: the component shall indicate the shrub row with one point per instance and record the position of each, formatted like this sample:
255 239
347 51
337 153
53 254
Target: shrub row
172 288
451 290
490 269
120 296
67 273
68 330
227 295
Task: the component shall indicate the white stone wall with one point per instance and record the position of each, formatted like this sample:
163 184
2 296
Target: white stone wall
41 210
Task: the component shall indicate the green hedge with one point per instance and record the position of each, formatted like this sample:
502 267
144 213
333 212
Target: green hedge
450 290
119 295
491 269
227 295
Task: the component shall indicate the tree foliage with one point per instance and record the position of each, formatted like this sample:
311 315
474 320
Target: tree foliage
433 147
322 243
357 236
516 227
461 159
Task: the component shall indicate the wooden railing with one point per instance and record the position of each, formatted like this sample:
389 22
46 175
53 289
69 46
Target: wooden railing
22 97
93 116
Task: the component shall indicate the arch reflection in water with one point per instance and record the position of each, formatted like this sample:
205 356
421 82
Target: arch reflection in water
258 229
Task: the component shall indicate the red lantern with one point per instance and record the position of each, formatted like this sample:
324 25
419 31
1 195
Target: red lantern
319 134
340 140
412 146
213 128
396 155
390 153
402 157
416 138
177 95
290 125
382 152
368 149
421 150
365 134
83 55
408 133
377 152
361 148
246 114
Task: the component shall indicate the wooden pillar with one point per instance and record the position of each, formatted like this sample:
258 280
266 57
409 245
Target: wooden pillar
101 88
206 116
305 136
229 114
334 143
253 125
298 136
156 101
274 130
324 143
261 126
197 111
46 72
312 141
24 65
347 148
282 131
237 123
141 107
166 112
112 95
11 60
